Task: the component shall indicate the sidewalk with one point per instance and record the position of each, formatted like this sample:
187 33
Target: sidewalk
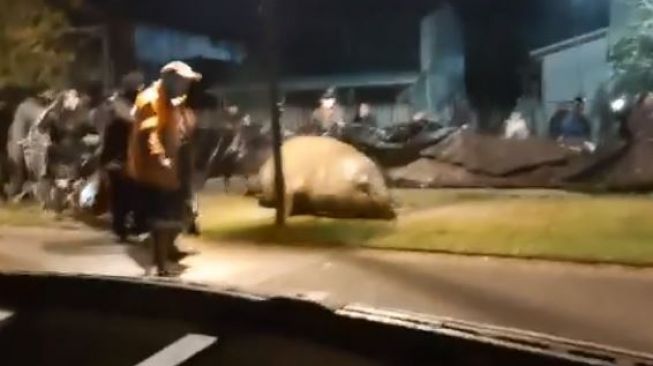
604 304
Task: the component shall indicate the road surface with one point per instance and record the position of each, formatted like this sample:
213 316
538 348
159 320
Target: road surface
605 304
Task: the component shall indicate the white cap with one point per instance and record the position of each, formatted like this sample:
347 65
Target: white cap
182 69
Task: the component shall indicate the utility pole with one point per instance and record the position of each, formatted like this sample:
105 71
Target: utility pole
269 9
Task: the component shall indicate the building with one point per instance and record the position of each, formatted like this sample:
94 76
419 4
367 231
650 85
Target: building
574 67
395 95
395 89
301 94
580 66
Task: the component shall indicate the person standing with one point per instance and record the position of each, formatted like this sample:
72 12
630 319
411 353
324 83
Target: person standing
234 119
365 116
516 128
232 127
329 115
576 125
231 131
163 124
571 124
114 122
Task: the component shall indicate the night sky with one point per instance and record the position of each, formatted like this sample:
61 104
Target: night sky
338 36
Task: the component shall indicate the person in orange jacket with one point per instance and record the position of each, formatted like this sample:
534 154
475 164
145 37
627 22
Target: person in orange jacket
163 128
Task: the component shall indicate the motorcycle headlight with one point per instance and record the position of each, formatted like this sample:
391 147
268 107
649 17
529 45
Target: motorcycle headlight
618 105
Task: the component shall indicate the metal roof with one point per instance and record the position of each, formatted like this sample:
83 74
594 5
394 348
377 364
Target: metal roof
325 81
569 43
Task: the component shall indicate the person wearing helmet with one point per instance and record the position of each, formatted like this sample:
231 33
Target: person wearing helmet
365 116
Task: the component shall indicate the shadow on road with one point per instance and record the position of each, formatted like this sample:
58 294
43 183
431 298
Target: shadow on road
141 254
98 247
93 222
82 247
314 233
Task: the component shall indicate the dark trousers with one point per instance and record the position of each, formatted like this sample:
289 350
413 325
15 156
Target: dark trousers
165 212
161 205
125 200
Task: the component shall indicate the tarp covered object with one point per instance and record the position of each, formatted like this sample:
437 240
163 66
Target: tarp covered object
429 173
394 146
496 156
631 168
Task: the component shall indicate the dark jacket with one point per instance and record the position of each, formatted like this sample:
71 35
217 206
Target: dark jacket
567 124
115 122
66 129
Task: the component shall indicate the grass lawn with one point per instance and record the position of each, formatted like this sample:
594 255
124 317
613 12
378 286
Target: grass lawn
537 224
534 224
24 215
30 214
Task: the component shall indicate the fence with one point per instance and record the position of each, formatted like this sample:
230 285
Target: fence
294 115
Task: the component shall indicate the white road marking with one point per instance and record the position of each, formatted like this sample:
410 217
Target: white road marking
180 351
5 314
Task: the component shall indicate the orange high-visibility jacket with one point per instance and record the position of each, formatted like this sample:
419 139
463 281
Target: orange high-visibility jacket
157 134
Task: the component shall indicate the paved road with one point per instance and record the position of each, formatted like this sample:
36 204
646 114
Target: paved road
605 304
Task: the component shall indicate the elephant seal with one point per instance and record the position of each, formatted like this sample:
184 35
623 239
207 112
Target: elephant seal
326 177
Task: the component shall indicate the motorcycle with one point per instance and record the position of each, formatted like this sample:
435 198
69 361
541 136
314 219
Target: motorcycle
60 152
70 176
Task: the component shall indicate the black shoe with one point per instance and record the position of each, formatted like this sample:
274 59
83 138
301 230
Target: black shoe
193 229
121 234
171 270
138 230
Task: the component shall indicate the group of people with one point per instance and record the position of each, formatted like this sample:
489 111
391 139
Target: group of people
330 115
139 139
569 124
145 149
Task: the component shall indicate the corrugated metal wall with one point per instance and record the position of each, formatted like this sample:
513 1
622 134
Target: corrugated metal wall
386 114
294 116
